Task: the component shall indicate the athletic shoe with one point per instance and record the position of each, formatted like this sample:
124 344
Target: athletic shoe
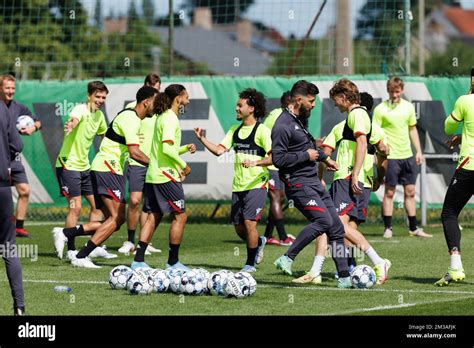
344 283
249 269
388 233
136 265
152 249
22 233
284 263
101 251
288 241
307 278
350 269
259 257
178 265
18 312
83 263
381 271
59 240
420 233
71 254
126 248
452 275
273 241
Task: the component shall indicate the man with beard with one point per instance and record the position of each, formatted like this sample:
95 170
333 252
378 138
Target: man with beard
295 155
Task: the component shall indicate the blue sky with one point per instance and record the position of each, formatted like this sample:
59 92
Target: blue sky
288 16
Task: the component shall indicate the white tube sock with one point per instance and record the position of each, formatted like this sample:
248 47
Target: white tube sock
317 266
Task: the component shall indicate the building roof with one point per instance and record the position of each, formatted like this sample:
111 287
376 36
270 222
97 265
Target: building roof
217 49
462 19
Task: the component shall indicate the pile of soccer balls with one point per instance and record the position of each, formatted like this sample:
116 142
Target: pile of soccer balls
197 281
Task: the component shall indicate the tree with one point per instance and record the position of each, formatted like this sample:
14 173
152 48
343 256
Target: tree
132 14
223 11
98 13
148 12
457 60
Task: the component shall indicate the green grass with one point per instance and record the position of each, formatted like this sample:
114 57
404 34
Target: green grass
416 264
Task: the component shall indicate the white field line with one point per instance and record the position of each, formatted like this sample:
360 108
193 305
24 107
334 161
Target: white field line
402 305
411 291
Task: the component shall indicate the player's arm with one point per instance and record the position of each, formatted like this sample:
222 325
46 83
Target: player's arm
281 156
31 129
71 124
415 139
451 124
137 154
191 148
322 167
215 149
361 149
14 140
267 161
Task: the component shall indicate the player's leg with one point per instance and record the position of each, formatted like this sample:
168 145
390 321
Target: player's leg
7 242
23 190
460 190
314 274
270 221
391 181
87 191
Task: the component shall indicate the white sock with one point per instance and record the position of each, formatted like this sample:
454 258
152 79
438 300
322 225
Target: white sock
456 261
373 256
317 266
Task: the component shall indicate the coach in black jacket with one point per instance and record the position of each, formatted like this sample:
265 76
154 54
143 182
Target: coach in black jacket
295 154
10 146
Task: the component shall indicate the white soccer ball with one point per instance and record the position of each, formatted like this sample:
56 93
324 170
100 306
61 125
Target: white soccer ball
238 286
217 282
161 283
24 121
140 283
363 277
202 277
252 282
119 276
174 276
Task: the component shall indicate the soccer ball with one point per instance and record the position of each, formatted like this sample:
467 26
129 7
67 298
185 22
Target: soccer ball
363 277
238 286
140 283
202 276
119 276
217 282
174 276
24 121
190 284
252 282
161 283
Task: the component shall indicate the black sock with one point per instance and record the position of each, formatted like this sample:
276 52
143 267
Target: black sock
269 228
140 255
251 256
84 252
259 243
131 236
351 261
20 223
71 233
173 254
280 225
412 223
387 220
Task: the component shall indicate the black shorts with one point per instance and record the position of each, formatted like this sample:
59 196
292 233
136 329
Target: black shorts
136 178
18 173
315 203
247 205
109 185
401 172
164 198
345 201
74 183
363 204
274 183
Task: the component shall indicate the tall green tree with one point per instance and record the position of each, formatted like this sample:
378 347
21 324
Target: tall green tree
98 13
148 12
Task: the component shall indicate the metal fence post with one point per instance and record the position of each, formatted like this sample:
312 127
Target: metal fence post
423 198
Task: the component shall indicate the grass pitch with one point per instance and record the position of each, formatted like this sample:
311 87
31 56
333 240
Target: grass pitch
416 265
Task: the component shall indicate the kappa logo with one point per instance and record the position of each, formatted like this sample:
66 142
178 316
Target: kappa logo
65 189
179 204
271 182
455 181
287 176
312 203
117 193
342 206
257 211
296 127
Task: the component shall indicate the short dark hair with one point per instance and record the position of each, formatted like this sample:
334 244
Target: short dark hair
285 99
96 86
367 101
304 88
256 99
164 100
145 92
151 80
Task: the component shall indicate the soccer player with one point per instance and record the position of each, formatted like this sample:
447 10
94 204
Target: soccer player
108 181
18 174
276 191
252 143
295 154
397 117
136 173
163 183
10 146
347 136
461 187
72 165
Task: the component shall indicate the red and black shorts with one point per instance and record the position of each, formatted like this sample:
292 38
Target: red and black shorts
164 198
107 184
247 205
345 201
74 183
